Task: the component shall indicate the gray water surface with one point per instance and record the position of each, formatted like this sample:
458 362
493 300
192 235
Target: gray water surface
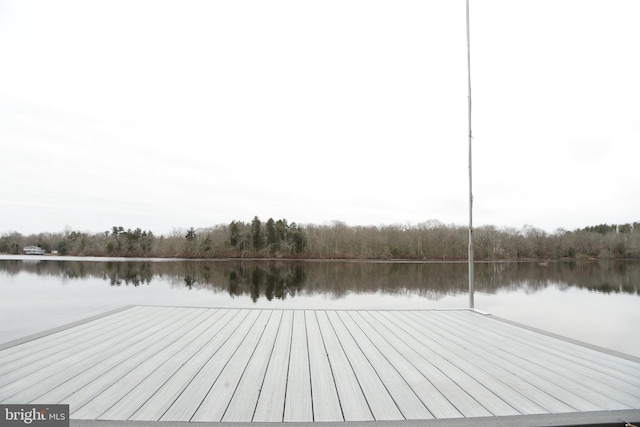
593 301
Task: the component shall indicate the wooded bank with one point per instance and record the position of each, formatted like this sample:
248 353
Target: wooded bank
431 240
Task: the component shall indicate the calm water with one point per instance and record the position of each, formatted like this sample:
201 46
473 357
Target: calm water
595 302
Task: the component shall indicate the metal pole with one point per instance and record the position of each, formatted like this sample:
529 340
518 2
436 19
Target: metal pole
471 286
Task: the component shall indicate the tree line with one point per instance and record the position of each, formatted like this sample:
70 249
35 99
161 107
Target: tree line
431 240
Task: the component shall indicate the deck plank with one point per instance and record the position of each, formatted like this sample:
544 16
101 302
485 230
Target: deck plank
191 397
59 338
298 404
33 357
379 400
409 404
577 354
454 392
422 329
478 391
243 365
436 403
326 404
492 365
59 371
123 386
593 388
354 403
570 358
143 383
245 398
162 398
270 407
219 397
539 376
130 359
47 371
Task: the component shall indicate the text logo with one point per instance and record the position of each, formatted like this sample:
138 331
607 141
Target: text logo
34 415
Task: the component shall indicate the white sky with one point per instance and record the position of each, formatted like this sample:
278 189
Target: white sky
163 114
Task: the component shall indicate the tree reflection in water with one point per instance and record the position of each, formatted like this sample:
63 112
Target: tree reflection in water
283 279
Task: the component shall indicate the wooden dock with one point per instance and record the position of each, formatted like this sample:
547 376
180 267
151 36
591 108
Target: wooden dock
250 365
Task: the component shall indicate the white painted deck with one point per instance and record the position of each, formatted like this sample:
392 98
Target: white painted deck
198 364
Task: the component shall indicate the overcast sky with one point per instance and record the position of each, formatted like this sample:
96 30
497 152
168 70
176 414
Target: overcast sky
171 114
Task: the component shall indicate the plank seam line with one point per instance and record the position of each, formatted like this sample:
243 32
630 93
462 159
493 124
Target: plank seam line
286 381
189 324
607 376
445 374
217 315
223 368
414 366
266 369
560 374
188 319
604 350
333 377
202 367
415 324
390 364
66 338
364 395
57 350
562 348
49 371
372 367
88 368
51 331
306 340
264 328
188 359
513 366
456 345
554 382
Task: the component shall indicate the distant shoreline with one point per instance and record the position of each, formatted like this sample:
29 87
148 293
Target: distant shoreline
50 257
431 241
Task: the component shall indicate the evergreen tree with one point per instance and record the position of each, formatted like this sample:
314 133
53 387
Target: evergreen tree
271 234
256 233
234 238
298 238
191 235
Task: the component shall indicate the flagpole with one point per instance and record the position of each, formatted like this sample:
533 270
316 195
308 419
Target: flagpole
470 257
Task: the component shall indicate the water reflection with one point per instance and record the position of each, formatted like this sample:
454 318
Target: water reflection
284 279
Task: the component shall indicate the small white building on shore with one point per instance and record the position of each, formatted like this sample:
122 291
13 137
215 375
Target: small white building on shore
33 250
